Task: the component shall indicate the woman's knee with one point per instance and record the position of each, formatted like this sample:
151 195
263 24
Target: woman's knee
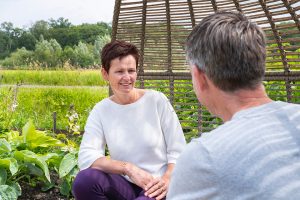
88 179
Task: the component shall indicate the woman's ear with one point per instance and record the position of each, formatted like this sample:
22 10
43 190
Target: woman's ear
104 74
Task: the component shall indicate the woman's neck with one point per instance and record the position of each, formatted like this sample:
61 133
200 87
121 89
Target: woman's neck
124 99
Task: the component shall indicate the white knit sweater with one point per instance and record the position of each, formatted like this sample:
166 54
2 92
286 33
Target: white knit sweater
146 133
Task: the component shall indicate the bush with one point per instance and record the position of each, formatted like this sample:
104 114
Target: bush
21 58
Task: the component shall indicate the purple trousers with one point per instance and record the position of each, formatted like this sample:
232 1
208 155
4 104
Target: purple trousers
93 184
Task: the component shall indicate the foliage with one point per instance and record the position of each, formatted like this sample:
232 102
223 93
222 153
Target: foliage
41 38
84 57
8 36
31 156
40 28
59 23
21 57
48 53
72 35
99 44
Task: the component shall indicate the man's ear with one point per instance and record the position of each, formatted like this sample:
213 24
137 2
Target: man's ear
200 78
104 74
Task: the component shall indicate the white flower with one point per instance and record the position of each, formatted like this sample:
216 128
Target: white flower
14 106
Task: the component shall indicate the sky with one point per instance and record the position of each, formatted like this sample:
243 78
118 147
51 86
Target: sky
23 13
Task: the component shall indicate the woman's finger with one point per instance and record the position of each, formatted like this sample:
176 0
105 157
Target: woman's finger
162 195
151 186
156 190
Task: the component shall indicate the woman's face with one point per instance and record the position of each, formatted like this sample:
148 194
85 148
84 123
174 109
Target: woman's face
122 74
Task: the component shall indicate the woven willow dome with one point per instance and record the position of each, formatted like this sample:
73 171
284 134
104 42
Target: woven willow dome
159 29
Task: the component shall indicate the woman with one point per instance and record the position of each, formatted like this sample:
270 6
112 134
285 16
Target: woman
139 127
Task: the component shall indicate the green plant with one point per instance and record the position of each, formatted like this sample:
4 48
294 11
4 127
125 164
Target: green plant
32 156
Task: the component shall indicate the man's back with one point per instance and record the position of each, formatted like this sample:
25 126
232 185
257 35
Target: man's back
255 155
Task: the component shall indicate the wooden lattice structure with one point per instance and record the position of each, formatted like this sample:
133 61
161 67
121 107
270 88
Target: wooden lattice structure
159 29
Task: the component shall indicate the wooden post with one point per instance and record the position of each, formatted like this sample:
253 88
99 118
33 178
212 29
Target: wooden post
54 122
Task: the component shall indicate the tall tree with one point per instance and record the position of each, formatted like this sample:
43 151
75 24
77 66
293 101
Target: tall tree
60 23
26 40
39 28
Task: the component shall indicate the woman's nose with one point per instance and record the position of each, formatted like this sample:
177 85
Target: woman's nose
126 75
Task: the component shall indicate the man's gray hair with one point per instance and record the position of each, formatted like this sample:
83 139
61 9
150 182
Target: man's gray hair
229 49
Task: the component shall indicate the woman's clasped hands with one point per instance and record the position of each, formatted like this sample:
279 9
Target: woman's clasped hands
157 188
154 187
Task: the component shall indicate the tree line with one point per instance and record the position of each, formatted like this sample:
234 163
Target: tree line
52 44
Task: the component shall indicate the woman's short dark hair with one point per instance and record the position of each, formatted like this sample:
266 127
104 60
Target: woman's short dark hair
117 49
229 49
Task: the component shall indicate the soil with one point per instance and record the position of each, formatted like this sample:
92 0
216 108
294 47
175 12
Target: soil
35 193
31 193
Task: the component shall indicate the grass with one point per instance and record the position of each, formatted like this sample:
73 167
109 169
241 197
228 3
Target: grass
39 104
40 77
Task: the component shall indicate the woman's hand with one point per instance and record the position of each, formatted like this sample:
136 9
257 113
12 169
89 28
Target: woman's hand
140 177
157 188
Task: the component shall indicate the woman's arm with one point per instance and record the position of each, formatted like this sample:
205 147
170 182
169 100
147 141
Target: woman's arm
172 130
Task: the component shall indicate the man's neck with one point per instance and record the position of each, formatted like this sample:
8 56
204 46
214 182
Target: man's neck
234 102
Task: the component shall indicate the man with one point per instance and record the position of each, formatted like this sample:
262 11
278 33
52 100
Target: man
255 154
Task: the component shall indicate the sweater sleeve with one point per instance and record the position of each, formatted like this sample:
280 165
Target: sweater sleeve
171 128
93 142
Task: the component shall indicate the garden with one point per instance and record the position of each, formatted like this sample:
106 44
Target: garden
50 81
42 117
35 159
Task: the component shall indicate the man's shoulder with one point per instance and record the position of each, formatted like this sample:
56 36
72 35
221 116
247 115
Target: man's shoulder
289 107
221 133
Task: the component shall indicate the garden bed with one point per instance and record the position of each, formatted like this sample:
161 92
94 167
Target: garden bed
35 193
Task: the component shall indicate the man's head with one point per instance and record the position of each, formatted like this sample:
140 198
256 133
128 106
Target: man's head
229 50
117 49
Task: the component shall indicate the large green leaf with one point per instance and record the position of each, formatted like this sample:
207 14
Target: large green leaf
11 135
11 164
3 176
29 156
17 188
67 164
52 159
4 146
35 170
14 138
34 138
28 129
65 188
73 173
48 156
7 193
47 186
